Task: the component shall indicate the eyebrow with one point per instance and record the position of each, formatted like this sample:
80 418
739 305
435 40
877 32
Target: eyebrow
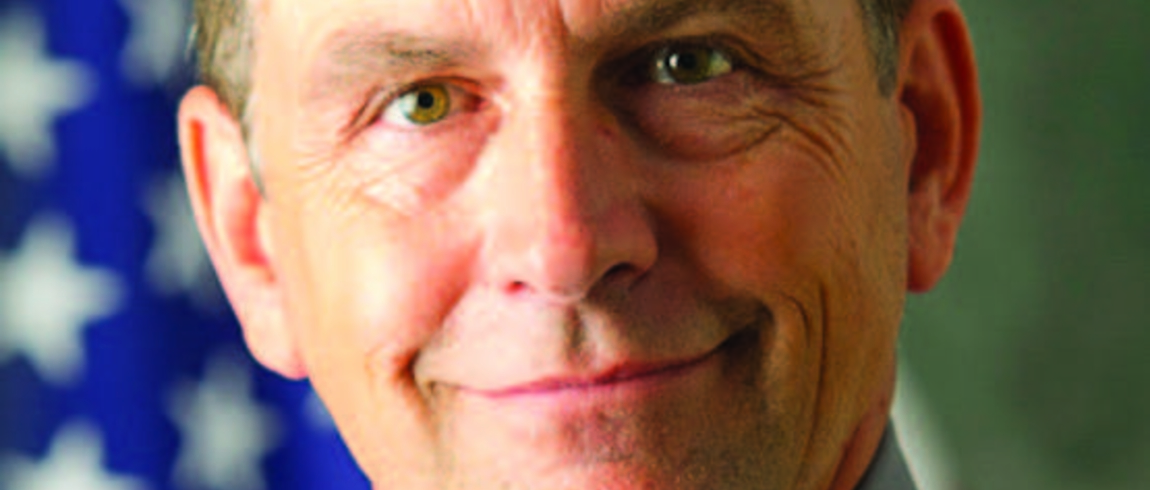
361 50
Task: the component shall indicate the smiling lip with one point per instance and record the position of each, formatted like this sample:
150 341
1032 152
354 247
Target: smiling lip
616 376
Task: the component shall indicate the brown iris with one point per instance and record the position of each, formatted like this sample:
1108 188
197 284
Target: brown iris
425 105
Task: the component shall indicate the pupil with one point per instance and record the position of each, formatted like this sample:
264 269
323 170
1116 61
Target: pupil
684 61
425 100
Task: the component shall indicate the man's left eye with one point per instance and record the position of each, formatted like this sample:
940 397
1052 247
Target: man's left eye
689 64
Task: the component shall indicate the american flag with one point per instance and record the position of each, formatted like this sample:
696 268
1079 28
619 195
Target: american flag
121 364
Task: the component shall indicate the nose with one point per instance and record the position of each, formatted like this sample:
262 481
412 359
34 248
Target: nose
564 212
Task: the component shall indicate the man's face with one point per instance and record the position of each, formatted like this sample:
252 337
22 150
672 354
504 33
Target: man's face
559 244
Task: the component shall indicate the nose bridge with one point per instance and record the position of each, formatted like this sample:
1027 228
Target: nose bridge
559 229
557 168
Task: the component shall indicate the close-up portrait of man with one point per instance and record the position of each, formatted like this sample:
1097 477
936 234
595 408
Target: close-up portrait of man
586 244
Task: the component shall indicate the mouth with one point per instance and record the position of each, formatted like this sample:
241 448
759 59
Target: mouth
619 376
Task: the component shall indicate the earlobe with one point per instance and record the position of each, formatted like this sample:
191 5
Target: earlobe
939 90
233 220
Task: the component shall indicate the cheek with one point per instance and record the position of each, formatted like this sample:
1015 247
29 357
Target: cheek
380 260
370 290
802 234
378 283
758 223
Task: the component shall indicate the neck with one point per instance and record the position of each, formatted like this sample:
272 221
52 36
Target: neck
863 444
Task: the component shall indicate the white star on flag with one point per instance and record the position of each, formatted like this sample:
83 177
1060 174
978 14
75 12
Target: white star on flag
156 41
225 432
47 300
178 262
73 462
34 92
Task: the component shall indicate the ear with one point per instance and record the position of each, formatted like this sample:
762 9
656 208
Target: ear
938 92
234 222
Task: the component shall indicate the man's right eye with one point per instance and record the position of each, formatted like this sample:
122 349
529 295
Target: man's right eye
421 106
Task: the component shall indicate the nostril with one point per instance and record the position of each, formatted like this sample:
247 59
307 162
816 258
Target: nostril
517 288
619 278
618 271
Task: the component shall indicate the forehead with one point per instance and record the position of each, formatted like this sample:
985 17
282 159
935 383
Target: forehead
509 20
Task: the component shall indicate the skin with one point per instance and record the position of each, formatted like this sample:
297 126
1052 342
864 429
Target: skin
579 279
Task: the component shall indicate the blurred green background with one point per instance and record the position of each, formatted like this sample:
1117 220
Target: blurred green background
1032 356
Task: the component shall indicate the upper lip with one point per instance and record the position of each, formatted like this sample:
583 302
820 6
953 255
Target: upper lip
618 373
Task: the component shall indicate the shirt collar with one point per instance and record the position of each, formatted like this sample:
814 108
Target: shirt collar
888 470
